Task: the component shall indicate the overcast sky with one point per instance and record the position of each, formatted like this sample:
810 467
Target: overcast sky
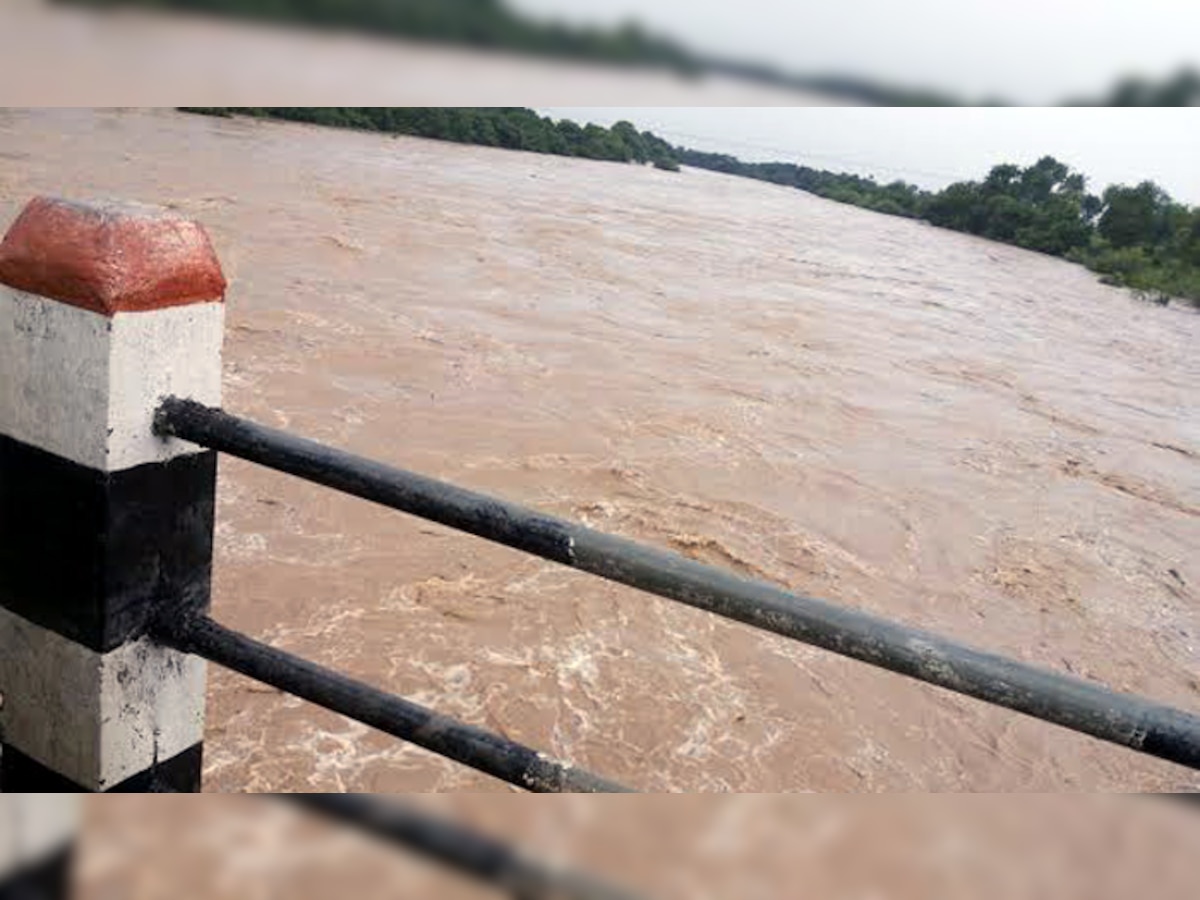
1028 51
932 147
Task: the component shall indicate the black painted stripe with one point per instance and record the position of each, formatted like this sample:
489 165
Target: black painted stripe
178 775
91 554
47 879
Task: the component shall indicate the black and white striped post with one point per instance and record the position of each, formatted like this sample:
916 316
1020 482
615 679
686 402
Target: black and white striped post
104 309
37 844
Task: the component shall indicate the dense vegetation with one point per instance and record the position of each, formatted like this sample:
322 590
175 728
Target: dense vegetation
492 24
1136 237
514 128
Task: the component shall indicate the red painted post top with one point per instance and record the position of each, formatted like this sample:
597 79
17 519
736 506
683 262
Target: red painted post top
110 257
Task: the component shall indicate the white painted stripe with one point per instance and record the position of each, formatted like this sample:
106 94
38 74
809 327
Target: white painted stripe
54 376
34 826
96 718
85 386
156 354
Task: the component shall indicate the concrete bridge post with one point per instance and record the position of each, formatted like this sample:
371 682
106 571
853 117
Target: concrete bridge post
37 843
104 309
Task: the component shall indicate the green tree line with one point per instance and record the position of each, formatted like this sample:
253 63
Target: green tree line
514 128
1136 237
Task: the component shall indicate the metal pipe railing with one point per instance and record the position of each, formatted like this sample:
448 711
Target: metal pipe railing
1083 706
490 753
465 850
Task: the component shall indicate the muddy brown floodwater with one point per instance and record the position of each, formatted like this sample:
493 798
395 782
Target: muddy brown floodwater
954 433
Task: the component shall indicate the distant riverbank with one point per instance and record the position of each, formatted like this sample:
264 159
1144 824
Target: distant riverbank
1134 237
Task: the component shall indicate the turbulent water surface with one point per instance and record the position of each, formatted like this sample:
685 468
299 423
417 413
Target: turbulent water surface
954 433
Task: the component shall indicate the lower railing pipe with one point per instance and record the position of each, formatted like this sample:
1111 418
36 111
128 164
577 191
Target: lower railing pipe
490 753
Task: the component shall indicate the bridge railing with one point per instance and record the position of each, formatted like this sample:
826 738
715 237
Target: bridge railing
110 425
40 836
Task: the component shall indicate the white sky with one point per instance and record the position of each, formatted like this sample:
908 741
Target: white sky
932 147
1028 51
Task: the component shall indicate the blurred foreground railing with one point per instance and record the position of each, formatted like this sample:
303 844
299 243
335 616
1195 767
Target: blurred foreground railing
40 836
469 852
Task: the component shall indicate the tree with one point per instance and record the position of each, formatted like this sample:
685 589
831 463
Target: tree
600 143
629 136
1135 216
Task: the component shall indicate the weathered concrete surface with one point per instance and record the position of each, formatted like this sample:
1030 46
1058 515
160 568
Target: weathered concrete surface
959 434
85 386
96 718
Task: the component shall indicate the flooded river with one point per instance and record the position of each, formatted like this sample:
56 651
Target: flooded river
954 433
